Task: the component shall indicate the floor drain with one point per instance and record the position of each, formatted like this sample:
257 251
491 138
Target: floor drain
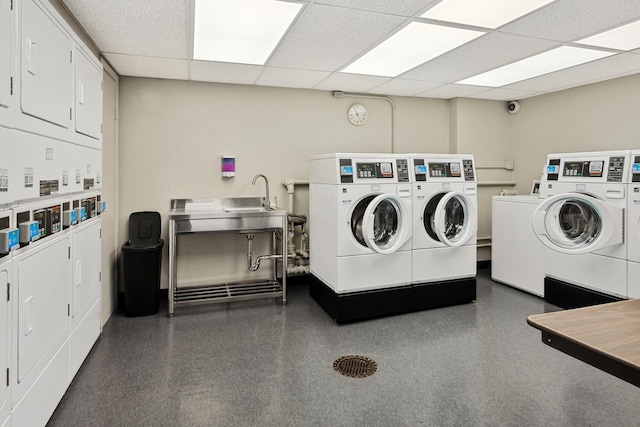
355 366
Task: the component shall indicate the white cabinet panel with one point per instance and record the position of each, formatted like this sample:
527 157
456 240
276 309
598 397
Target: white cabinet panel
7 62
46 73
41 165
7 166
87 169
5 276
88 100
86 267
42 279
84 337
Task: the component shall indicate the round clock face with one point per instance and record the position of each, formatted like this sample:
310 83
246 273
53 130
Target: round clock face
357 114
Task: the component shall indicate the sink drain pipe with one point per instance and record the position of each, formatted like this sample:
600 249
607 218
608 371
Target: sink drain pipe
250 265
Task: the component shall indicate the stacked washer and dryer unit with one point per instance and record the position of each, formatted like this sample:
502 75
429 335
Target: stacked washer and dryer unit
378 250
582 224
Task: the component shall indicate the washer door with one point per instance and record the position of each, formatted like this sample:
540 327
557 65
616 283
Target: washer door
385 224
574 223
450 218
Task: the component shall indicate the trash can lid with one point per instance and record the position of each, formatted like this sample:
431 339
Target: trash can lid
144 228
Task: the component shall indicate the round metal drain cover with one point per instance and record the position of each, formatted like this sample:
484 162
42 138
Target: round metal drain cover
355 366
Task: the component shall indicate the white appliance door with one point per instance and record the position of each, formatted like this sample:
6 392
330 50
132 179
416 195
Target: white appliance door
385 224
452 221
574 223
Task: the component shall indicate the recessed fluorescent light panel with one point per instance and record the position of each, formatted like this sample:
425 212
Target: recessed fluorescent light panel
626 37
548 62
242 31
413 45
486 13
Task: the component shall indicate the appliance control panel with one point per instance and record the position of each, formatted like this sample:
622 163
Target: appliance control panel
8 236
635 169
346 171
374 170
436 170
403 170
612 169
467 166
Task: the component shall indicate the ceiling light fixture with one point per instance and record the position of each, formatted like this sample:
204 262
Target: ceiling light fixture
544 63
413 45
241 31
487 13
626 37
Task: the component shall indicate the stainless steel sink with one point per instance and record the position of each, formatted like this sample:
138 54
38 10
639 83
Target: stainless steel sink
225 214
246 215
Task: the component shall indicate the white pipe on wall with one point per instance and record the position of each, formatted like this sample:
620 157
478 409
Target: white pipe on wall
290 185
340 94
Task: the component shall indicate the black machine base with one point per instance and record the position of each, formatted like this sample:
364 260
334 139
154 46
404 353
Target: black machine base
442 294
356 306
567 295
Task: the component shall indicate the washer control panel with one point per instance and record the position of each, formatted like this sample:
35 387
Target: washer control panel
609 169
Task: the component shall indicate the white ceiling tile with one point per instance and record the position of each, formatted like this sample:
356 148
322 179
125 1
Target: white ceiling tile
401 8
148 28
401 87
568 20
222 72
450 91
285 77
480 55
149 38
141 66
350 82
501 94
326 38
610 67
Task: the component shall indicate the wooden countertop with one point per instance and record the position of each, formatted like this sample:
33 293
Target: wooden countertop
606 336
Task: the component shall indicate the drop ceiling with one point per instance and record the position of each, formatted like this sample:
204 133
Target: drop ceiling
154 39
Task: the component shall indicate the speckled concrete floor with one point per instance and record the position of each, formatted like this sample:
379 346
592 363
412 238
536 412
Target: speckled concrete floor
261 363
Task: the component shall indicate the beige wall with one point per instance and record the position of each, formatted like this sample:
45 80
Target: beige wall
173 133
480 127
602 116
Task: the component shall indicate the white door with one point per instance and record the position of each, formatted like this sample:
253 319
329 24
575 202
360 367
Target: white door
88 98
86 268
450 218
6 57
574 223
43 277
46 68
5 274
384 225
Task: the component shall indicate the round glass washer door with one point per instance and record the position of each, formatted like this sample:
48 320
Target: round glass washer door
577 223
450 218
381 223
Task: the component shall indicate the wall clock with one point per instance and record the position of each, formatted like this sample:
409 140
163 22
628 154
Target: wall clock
357 114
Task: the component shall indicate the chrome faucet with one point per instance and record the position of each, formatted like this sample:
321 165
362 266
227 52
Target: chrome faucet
266 183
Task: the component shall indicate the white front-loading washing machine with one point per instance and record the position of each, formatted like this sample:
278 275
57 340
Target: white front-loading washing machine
633 227
444 229
582 223
360 234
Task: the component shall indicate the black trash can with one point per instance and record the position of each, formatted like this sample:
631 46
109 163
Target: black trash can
141 262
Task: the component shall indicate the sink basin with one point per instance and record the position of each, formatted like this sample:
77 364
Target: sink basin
242 214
